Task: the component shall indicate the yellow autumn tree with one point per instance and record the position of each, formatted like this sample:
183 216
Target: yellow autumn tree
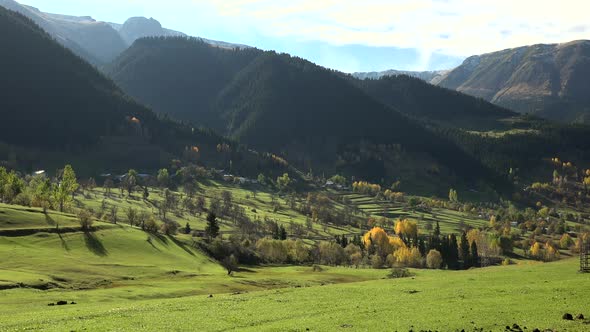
408 257
406 228
565 241
379 239
551 253
536 250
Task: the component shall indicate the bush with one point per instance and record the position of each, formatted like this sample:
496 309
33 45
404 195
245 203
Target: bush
316 268
398 272
86 219
376 262
151 226
506 262
169 228
434 259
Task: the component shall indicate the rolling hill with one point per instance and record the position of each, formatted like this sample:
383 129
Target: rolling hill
550 81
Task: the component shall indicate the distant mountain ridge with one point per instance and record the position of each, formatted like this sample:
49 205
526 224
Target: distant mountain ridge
548 80
432 77
97 42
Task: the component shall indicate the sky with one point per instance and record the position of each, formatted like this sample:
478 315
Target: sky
357 35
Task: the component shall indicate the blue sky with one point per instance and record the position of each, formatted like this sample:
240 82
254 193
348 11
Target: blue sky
355 35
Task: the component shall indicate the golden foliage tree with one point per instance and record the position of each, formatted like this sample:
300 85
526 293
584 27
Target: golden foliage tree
408 257
406 228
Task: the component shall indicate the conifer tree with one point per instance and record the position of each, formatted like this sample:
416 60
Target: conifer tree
474 255
464 250
212 229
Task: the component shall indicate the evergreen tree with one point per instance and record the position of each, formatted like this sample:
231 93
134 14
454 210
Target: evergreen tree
474 255
422 246
453 253
212 229
464 249
344 242
436 230
282 233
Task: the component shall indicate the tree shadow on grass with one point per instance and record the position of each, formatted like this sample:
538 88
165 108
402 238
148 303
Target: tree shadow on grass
94 244
64 244
49 220
181 245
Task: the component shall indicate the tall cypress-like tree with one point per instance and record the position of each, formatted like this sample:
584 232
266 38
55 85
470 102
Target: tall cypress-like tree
464 250
282 233
474 254
437 230
453 254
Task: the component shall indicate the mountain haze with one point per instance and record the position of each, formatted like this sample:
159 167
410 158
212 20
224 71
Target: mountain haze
97 42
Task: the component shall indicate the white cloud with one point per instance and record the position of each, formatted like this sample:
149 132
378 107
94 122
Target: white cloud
454 27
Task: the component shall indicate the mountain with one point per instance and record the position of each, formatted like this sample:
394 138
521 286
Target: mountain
139 27
97 42
550 81
315 117
432 77
178 76
58 109
57 98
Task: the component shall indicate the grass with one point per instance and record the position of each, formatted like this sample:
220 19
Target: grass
531 295
124 279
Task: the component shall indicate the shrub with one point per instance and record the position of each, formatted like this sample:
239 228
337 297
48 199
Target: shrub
316 268
376 261
169 228
151 226
434 259
85 219
398 272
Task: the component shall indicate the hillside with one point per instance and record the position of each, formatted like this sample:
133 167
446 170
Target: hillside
58 108
546 80
419 99
58 98
97 42
313 116
177 76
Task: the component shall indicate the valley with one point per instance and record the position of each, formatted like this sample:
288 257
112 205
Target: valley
151 180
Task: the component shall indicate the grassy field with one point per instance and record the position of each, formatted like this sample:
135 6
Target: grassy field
450 220
123 279
532 296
